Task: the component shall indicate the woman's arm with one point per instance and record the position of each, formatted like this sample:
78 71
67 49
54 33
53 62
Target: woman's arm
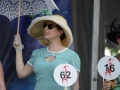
22 70
2 83
75 86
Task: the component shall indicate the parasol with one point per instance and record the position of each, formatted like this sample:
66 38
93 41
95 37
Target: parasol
16 8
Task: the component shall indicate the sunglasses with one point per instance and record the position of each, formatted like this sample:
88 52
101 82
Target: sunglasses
50 26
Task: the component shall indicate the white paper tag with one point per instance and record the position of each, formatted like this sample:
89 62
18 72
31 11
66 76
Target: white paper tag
109 67
65 75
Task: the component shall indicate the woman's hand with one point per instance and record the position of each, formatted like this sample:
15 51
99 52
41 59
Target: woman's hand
17 43
106 85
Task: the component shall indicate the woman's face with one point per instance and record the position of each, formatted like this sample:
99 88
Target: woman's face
118 41
118 57
50 30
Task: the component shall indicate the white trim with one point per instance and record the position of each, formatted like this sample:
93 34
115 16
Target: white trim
58 51
29 63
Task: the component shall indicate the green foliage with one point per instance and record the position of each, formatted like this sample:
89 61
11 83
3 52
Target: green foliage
45 12
31 16
113 51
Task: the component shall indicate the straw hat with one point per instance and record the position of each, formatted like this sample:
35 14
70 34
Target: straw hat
35 30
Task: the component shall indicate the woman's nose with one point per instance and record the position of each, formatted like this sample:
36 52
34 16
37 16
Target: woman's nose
46 27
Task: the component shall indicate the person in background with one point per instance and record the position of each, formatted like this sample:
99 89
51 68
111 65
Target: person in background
2 83
114 36
54 33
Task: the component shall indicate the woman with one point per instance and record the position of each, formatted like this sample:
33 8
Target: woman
53 32
2 83
114 36
112 85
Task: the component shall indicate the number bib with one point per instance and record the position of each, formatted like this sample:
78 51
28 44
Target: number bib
65 75
109 67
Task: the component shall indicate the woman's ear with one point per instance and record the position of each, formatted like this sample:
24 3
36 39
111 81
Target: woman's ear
61 32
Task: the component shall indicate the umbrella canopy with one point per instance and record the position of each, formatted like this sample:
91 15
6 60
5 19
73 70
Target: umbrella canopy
9 8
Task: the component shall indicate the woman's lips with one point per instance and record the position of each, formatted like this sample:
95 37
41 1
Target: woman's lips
46 33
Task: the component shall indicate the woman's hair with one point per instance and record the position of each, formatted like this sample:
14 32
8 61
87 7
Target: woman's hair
63 36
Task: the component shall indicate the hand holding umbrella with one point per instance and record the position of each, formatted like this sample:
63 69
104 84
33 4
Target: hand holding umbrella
17 43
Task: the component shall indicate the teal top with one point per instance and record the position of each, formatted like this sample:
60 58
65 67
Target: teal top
116 84
44 70
116 81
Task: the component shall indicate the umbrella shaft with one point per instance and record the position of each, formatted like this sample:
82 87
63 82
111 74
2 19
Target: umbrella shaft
19 4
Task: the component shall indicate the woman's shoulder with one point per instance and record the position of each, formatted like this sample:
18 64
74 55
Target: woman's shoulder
70 51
